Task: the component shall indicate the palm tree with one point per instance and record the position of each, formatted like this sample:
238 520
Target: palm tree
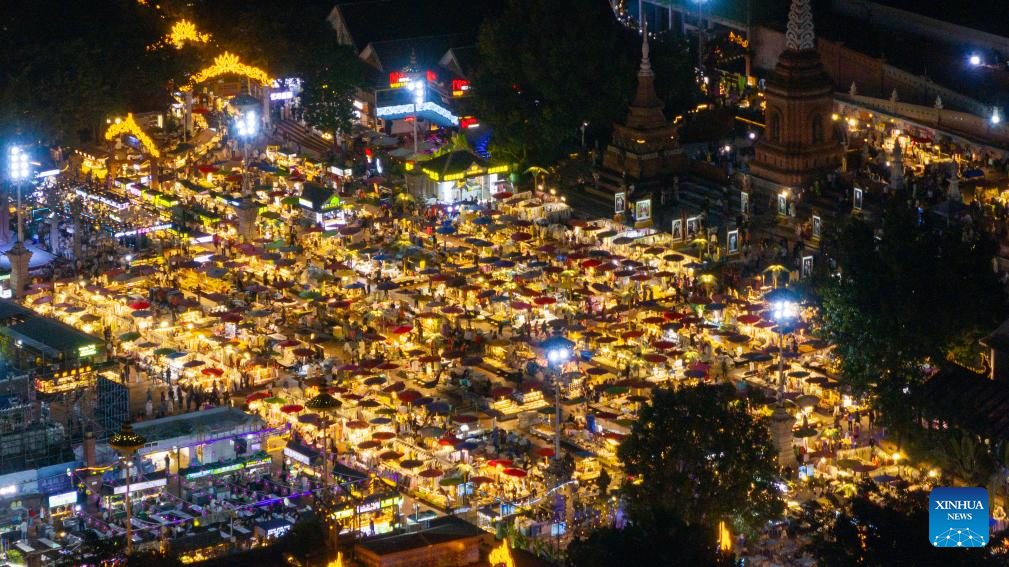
965 457
998 481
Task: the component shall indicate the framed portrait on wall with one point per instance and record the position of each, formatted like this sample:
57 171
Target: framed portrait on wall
619 202
677 230
732 242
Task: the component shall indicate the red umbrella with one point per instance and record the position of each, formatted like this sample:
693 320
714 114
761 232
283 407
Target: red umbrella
390 456
383 435
402 329
517 473
369 445
664 345
521 236
481 480
291 408
137 305
357 424
654 358
213 372
499 463
520 305
748 319
545 452
208 168
591 263
545 300
407 396
387 366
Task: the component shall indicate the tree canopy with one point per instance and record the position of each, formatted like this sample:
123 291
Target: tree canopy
882 527
697 456
912 294
679 544
71 65
328 90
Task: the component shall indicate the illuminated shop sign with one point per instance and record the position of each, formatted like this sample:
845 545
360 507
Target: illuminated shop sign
282 95
64 499
137 486
145 230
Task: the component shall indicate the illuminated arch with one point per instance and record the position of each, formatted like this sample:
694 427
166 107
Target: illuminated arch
228 63
184 31
130 126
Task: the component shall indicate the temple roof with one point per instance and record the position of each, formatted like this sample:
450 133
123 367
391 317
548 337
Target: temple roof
646 108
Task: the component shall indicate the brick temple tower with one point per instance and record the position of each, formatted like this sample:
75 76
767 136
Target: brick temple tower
644 148
798 141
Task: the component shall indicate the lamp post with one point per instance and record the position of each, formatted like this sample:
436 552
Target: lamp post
585 124
324 404
18 254
126 443
784 309
246 129
418 86
558 350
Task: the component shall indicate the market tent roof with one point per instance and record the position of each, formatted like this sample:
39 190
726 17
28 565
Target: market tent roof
967 400
458 164
317 195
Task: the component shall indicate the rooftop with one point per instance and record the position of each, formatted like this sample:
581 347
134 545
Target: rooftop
370 21
968 400
215 421
441 530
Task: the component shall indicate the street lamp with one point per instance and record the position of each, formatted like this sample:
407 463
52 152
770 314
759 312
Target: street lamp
324 404
585 125
18 173
558 350
417 86
784 309
126 443
246 128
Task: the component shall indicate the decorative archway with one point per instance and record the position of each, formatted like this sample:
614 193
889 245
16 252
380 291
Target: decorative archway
130 126
229 63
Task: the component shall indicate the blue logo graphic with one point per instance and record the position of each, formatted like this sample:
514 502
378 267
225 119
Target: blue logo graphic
958 517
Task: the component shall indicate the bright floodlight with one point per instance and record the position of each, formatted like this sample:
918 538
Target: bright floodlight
995 118
558 350
247 124
975 60
418 91
18 163
784 305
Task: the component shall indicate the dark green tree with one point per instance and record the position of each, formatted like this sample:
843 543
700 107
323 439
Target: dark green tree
546 67
678 545
328 90
883 527
906 297
307 541
65 75
696 455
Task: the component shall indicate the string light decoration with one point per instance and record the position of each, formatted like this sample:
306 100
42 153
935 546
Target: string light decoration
130 126
501 556
184 31
229 63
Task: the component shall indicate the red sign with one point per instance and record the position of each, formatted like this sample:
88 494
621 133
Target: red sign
459 87
431 77
398 79
468 122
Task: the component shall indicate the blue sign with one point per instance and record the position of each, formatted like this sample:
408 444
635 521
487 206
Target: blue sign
958 517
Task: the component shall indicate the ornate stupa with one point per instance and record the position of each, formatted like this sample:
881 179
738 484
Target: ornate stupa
798 142
644 151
